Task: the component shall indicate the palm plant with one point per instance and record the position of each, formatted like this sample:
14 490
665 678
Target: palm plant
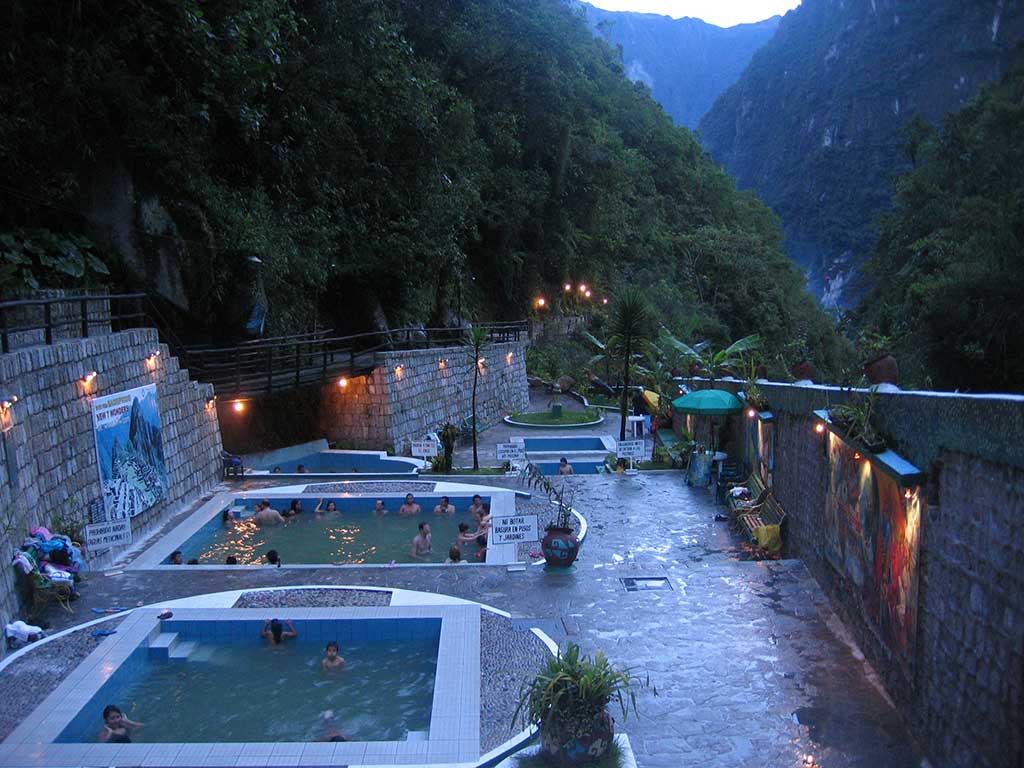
631 326
475 343
707 359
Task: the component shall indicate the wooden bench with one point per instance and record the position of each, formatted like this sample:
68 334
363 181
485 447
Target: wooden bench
758 493
747 517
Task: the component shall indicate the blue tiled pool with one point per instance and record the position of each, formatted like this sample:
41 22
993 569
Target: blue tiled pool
555 444
342 462
550 468
219 681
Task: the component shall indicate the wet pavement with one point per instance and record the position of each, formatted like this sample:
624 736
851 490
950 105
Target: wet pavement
745 664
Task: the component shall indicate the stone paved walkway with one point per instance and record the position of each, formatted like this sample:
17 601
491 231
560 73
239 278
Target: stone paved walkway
745 667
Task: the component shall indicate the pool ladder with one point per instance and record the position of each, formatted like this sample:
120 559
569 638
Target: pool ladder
167 646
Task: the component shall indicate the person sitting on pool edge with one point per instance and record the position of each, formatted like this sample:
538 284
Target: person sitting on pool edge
266 515
564 467
332 661
379 509
422 544
116 726
444 507
274 631
410 507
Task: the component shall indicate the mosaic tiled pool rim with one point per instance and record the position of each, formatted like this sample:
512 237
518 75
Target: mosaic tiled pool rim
455 710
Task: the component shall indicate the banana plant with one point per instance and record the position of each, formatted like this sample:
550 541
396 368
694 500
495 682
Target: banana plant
710 361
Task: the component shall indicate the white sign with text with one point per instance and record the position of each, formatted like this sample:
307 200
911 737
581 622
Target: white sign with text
424 449
630 449
103 536
514 529
510 452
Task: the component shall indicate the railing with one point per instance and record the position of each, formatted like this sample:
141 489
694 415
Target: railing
248 368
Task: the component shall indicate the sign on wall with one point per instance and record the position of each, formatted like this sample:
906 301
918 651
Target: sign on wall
513 529
103 536
130 451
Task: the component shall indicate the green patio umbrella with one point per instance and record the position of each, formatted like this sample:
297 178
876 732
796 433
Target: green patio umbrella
708 402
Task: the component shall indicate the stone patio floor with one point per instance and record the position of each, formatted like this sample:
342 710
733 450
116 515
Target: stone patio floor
746 667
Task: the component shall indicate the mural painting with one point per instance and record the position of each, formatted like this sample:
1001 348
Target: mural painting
130 451
760 450
872 537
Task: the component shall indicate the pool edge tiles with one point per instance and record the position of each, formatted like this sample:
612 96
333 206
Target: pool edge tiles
455 710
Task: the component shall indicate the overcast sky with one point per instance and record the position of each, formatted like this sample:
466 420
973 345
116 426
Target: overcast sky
724 13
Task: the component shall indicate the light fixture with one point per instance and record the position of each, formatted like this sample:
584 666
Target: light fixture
211 402
751 413
7 402
908 494
856 455
442 363
604 301
480 361
342 382
541 302
583 287
568 287
398 371
508 358
819 428
587 294
238 406
88 377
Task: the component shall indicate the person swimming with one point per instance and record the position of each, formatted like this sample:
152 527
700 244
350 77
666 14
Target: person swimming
116 726
274 631
332 661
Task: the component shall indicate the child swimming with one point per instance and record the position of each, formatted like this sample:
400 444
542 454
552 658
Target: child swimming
332 661
116 726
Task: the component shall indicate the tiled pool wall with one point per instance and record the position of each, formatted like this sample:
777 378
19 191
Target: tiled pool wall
567 444
453 736
344 462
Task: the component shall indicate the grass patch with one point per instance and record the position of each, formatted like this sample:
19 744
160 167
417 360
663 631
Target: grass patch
611 759
544 418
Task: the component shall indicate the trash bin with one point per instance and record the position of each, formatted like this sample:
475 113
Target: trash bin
699 474
556 411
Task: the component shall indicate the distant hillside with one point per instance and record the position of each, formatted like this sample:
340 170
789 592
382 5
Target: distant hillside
815 123
686 63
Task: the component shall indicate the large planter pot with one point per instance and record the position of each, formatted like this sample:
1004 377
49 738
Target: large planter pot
882 370
567 746
804 370
560 547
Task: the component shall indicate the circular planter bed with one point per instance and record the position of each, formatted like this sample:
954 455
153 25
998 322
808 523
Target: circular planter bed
544 419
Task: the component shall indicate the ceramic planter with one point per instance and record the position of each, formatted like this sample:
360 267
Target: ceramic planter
560 547
882 370
567 746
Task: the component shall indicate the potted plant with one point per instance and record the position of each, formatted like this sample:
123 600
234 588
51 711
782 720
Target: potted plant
857 420
568 701
559 545
880 366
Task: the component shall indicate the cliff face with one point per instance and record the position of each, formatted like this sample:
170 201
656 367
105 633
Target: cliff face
815 123
685 62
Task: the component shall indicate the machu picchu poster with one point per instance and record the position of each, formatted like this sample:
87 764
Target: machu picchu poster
129 447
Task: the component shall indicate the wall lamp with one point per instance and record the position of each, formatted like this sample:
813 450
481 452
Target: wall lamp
343 382
238 406
88 377
211 403
819 428
7 402
751 413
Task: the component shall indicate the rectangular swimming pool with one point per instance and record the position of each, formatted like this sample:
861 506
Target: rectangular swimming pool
344 462
226 683
556 444
352 535
550 468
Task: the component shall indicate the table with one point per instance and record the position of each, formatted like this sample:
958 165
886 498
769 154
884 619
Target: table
635 425
717 458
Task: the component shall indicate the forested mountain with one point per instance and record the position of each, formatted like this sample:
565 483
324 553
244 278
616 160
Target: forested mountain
386 160
685 62
815 124
949 266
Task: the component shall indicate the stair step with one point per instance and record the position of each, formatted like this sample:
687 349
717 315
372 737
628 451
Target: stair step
161 646
182 650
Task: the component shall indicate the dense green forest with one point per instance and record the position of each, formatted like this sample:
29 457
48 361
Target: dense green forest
948 267
380 157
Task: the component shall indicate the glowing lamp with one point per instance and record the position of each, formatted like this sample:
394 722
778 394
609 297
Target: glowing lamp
238 405
568 287
342 382
88 377
751 413
583 287
587 294
856 455
541 302
908 494
604 301
211 402
819 428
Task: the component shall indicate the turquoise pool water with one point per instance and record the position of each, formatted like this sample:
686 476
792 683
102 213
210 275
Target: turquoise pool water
345 463
253 692
555 444
550 468
353 535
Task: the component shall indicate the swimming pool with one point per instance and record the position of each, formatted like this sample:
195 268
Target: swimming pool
352 535
228 684
550 468
556 444
341 462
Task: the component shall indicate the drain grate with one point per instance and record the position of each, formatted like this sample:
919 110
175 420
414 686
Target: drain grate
646 584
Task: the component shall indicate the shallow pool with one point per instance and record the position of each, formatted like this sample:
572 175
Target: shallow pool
344 462
249 691
555 444
353 535
550 468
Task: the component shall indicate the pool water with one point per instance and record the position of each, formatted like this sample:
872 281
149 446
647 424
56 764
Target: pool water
351 536
343 462
261 693
550 468
555 444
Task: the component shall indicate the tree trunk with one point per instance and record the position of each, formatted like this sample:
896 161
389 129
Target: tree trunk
476 373
625 391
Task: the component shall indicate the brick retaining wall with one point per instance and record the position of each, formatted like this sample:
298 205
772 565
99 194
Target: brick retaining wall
49 433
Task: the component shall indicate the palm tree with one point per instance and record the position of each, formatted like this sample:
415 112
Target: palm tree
631 325
476 342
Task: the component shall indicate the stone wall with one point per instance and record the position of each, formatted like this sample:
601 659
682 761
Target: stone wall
962 692
48 465
416 391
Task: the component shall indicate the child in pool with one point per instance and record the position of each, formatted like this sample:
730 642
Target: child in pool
116 726
332 661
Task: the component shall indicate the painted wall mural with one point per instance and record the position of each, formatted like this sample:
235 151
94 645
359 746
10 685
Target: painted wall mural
759 453
872 533
129 446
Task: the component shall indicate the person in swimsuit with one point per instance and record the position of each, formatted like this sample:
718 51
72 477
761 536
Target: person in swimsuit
116 726
379 509
332 661
422 543
274 631
331 506
444 507
477 508
410 507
